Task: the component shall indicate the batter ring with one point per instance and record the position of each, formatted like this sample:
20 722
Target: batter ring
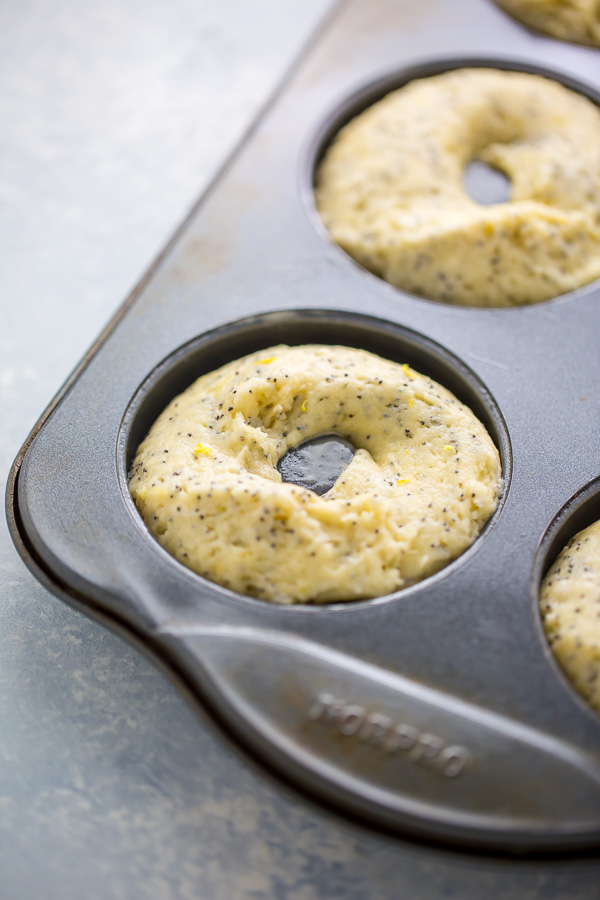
570 610
390 188
424 479
567 20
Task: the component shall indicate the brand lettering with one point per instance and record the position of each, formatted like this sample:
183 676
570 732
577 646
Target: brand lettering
389 736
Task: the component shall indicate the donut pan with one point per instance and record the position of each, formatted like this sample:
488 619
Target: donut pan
438 711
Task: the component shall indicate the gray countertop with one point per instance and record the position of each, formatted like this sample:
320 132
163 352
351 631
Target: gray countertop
115 118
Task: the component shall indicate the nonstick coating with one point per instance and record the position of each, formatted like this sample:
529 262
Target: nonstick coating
438 710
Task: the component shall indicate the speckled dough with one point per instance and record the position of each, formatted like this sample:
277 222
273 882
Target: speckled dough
570 609
568 20
423 481
390 188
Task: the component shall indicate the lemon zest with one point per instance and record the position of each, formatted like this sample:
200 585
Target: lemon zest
303 407
263 362
200 450
406 369
403 480
450 448
411 401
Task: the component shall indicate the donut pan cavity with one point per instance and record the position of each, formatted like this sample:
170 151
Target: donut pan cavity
438 711
484 184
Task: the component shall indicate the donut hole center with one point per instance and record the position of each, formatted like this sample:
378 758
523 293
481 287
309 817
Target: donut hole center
316 464
486 185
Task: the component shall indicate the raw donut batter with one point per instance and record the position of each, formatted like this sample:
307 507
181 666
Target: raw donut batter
423 481
390 188
568 20
570 609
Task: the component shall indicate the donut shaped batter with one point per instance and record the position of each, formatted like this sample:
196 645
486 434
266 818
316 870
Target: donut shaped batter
568 20
423 481
570 610
390 188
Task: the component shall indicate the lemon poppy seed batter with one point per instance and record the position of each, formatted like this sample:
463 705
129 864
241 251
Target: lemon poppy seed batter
568 20
570 610
390 188
423 481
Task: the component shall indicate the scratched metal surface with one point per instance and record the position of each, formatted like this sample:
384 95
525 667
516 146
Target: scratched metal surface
219 257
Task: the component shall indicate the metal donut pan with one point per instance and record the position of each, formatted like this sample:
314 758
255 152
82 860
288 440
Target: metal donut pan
438 711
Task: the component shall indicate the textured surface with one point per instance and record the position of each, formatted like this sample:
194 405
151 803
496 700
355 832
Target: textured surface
423 482
574 20
391 190
570 609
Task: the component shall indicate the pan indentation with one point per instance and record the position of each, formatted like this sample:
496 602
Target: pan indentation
210 351
427 265
566 595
